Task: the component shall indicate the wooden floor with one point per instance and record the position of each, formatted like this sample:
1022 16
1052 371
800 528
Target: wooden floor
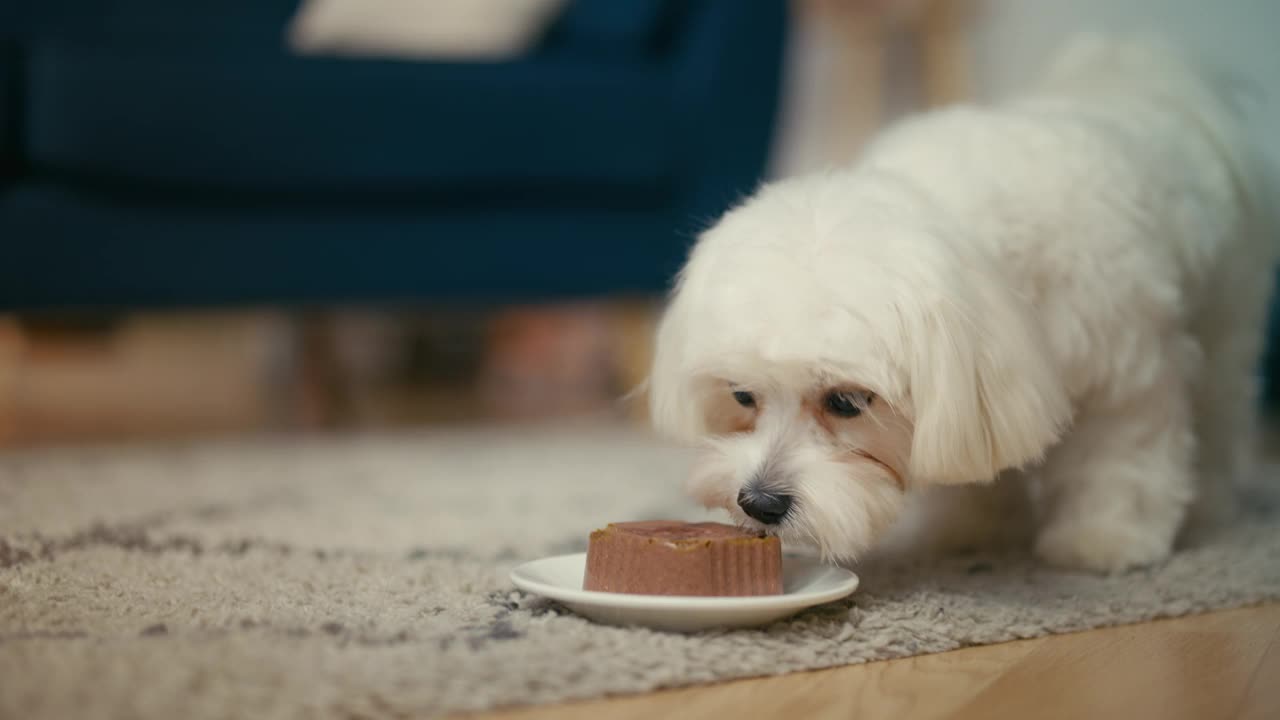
1220 665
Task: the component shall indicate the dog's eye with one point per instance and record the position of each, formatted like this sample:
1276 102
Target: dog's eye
847 404
744 398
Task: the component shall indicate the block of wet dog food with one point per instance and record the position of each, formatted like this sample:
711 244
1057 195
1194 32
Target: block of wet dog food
666 557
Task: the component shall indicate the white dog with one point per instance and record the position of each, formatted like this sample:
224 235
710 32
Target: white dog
1066 291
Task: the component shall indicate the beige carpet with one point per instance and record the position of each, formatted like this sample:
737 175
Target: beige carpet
366 577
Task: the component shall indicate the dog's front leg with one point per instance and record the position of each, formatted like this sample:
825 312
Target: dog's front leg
961 518
1115 491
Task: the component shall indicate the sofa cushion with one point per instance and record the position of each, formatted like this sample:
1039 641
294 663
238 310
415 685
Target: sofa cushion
267 120
232 24
607 26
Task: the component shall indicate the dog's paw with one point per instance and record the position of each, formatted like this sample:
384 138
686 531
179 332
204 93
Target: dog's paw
1100 548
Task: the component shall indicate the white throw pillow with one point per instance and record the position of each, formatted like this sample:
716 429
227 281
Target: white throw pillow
442 29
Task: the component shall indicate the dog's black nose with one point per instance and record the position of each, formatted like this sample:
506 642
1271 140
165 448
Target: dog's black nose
768 508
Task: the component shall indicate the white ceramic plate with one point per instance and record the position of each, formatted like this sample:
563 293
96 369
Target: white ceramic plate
805 583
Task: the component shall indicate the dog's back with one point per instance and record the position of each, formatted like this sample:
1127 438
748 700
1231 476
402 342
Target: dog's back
1228 317
1149 76
1232 243
1127 196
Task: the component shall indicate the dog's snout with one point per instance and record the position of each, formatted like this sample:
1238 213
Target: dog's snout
768 508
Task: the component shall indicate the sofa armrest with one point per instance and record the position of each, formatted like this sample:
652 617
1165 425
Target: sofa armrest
728 78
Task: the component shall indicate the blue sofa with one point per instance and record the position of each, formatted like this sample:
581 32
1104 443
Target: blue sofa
157 153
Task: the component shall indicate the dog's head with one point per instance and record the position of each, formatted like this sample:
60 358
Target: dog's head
833 344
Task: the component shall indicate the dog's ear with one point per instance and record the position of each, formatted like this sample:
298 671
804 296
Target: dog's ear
983 388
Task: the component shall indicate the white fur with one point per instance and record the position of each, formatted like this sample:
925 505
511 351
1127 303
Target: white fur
1068 288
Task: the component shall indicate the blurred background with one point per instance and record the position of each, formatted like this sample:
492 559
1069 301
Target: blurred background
242 216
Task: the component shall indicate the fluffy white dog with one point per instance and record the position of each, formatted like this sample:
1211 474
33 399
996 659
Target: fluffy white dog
1066 292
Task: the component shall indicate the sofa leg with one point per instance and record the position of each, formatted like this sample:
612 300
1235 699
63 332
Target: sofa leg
635 323
11 345
322 397
944 59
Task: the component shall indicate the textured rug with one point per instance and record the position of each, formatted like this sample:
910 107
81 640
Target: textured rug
366 577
